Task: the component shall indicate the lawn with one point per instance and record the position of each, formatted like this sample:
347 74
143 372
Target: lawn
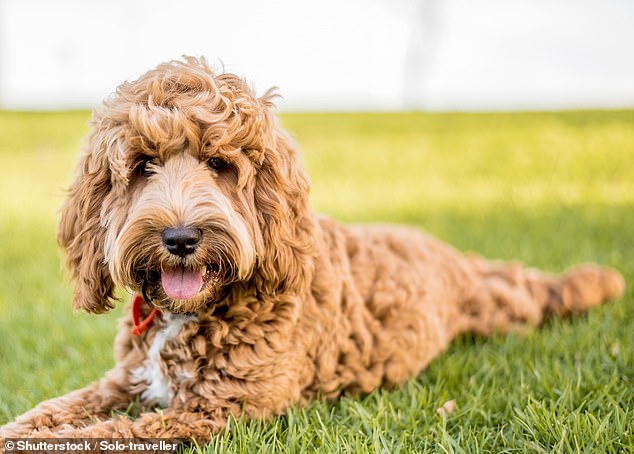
551 189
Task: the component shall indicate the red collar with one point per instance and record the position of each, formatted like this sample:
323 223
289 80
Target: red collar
141 327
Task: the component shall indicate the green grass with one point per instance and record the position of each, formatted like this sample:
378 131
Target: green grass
551 189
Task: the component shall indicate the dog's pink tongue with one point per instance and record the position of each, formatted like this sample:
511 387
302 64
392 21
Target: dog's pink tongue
181 284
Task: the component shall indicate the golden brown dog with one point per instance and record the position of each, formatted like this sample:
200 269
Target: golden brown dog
190 194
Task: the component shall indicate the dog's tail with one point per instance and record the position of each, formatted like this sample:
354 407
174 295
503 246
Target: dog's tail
507 296
577 290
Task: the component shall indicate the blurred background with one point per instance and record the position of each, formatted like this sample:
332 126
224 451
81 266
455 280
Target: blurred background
331 55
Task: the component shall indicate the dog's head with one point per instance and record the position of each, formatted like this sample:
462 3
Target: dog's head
187 189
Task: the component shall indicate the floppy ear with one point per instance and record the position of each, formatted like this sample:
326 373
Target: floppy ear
81 234
285 220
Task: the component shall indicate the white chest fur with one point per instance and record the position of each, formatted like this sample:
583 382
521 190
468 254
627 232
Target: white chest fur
159 390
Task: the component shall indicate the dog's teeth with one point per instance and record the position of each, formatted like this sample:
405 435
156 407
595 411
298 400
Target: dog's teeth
203 271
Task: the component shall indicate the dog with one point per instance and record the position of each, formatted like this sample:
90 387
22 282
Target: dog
190 196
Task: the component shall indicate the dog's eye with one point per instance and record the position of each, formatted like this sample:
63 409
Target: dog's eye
217 164
141 167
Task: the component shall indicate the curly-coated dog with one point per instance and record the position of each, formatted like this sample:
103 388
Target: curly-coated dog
189 195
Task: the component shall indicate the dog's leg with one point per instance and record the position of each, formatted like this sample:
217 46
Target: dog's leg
76 409
507 296
169 423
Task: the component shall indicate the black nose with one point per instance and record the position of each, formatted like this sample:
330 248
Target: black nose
181 241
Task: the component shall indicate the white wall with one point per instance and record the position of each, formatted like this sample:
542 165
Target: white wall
330 54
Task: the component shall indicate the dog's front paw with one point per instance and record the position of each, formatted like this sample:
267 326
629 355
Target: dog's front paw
15 430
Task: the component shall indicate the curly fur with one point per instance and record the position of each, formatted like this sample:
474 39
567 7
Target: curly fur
293 305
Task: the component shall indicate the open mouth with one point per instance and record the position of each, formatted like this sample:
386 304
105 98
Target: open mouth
181 283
